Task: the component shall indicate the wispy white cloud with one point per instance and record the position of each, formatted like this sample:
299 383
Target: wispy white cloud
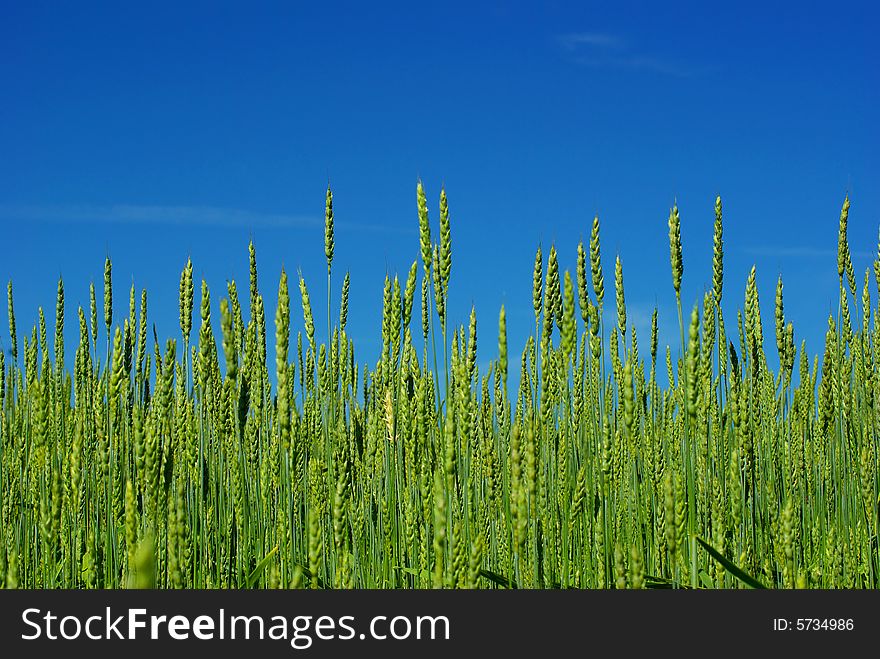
212 216
597 39
610 51
798 251
639 316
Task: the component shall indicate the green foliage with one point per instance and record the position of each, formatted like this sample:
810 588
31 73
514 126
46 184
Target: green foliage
593 474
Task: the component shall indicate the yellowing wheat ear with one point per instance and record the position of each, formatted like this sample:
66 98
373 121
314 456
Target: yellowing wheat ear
424 229
621 300
328 229
538 284
343 307
596 265
108 295
717 254
675 249
842 243
307 312
12 336
186 301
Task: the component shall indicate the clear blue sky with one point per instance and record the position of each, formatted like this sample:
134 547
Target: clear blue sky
172 129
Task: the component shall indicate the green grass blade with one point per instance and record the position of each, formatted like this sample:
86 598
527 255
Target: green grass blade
730 566
255 575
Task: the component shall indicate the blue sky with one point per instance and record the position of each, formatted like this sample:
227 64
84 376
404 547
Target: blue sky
166 130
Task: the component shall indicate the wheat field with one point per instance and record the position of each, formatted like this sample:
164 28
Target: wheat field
271 457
